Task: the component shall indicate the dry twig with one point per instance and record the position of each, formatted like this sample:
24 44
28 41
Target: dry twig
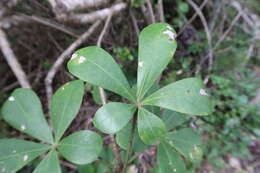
150 10
71 5
205 25
160 10
63 56
93 16
102 93
12 60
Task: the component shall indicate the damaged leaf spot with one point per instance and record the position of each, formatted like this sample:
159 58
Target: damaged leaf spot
25 157
141 64
81 59
73 56
11 99
203 92
23 127
170 34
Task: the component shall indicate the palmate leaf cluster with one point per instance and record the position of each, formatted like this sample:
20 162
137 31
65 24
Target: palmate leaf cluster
157 46
23 111
94 65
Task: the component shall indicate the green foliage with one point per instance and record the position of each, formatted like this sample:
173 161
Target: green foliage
23 111
233 124
156 47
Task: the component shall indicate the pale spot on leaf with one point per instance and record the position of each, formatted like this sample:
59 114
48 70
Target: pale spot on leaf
25 157
203 92
168 27
11 99
14 151
73 56
23 127
81 59
3 170
191 155
179 72
174 170
140 64
170 34
62 88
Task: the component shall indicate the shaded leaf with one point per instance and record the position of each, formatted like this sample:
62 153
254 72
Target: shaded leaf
186 96
173 119
122 139
49 164
65 105
113 116
81 147
169 160
150 127
156 48
16 153
184 141
23 111
96 66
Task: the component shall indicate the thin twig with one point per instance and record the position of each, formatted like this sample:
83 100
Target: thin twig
192 18
102 93
205 25
160 11
63 56
51 24
222 38
12 60
130 144
136 28
150 10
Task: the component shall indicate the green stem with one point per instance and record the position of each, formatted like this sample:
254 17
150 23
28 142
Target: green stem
130 144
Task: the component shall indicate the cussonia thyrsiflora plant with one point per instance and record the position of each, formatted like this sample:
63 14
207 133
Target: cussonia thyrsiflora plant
140 109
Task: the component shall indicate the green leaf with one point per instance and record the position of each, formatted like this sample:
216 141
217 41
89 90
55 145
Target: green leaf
65 105
150 127
186 96
156 48
113 116
23 111
122 139
96 66
49 164
81 147
16 153
173 119
169 160
184 141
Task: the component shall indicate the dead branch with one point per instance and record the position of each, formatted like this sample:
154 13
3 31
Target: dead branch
160 10
222 38
150 10
12 60
71 5
102 93
192 18
7 22
204 22
63 56
93 16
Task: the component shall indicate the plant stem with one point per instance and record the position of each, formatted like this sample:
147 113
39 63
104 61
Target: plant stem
130 144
